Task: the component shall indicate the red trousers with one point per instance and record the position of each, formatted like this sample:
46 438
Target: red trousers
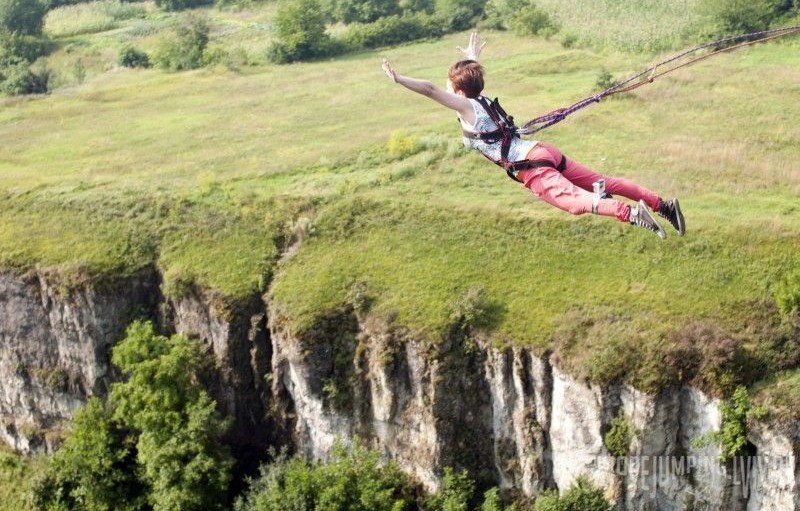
572 189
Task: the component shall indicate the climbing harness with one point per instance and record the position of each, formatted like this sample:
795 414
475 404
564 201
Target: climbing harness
505 133
657 70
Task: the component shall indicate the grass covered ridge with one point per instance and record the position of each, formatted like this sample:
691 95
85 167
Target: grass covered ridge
209 173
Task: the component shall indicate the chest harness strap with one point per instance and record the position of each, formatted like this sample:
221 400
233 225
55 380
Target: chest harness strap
505 133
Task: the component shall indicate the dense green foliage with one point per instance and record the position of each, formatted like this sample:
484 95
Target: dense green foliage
178 448
354 479
130 56
177 5
732 435
456 493
581 496
741 16
364 11
18 78
184 47
24 17
393 30
156 444
460 14
95 469
619 436
787 295
15 475
21 23
524 17
300 28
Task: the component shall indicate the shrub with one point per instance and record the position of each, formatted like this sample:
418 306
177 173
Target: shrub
618 438
401 145
354 480
22 16
569 40
25 47
130 56
177 5
738 16
393 30
732 435
459 14
363 11
457 490
472 309
605 80
300 30
18 79
581 496
183 47
492 500
521 16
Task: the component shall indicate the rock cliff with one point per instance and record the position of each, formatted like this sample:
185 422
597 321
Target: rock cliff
509 415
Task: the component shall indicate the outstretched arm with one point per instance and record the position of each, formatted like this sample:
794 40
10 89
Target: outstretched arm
453 101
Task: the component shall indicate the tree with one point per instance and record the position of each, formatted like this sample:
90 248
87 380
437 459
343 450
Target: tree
179 447
300 27
155 444
364 11
95 469
22 16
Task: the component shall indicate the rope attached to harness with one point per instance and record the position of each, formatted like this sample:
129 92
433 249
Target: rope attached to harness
727 44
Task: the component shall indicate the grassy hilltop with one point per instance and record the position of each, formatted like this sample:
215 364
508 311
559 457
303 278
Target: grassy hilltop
207 173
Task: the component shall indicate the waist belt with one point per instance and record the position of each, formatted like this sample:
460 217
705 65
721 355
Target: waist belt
513 167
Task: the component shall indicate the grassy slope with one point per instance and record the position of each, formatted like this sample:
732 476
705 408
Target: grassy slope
208 170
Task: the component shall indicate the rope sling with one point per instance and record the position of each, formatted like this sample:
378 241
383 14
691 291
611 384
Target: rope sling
657 70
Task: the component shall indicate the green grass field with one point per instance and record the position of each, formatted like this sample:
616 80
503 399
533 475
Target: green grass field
207 173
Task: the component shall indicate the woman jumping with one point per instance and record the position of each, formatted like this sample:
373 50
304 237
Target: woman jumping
541 167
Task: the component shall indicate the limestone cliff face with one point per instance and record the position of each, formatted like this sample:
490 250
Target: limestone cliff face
509 415
54 348
513 419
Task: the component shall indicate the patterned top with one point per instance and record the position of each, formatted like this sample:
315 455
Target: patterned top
483 123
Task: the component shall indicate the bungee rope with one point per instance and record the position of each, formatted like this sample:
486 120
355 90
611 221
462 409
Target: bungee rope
652 72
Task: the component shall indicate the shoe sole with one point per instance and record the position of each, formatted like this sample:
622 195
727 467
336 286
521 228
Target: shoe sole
679 214
661 233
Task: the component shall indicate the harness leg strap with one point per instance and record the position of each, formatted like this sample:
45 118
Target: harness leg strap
599 188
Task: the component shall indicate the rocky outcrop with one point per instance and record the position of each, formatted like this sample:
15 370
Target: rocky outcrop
55 345
509 415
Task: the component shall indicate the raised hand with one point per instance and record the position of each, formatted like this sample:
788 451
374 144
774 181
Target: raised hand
473 49
389 70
